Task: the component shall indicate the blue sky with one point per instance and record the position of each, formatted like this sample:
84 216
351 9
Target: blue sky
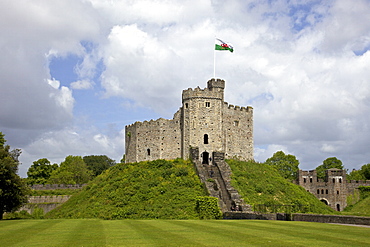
70 83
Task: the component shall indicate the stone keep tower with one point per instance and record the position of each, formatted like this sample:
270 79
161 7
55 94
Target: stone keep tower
204 122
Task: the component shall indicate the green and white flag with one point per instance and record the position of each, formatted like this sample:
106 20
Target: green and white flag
222 46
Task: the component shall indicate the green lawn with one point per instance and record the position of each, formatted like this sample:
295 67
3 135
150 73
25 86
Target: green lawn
84 232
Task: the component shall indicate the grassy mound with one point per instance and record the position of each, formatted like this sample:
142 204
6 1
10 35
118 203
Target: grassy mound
259 184
361 208
146 190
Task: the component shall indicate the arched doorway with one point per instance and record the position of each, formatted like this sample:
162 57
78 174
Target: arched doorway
205 157
324 201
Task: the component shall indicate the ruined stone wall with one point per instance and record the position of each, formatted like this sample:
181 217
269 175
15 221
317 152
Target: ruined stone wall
333 190
238 131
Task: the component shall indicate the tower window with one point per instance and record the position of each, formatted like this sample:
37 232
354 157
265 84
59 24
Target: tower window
148 151
186 105
205 139
208 104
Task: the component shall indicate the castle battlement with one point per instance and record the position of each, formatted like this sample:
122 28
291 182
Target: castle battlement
238 108
204 121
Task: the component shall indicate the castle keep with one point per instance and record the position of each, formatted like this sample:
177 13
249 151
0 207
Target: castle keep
204 122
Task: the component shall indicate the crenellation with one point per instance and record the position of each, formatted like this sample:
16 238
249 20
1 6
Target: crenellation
204 120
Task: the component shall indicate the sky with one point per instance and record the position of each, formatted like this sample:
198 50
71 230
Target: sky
73 73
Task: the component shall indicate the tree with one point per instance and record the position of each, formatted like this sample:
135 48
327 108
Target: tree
286 165
366 171
13 191
72 170
356 175
329 163
40 171
98 163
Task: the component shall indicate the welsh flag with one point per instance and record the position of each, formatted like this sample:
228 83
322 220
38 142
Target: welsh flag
221 46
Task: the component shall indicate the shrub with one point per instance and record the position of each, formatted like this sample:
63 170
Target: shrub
207 207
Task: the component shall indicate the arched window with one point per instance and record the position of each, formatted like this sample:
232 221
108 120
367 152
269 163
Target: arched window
205 139
327 192
340 180
148 151
318 191
338 207
304 180
310 180
322 191
333 180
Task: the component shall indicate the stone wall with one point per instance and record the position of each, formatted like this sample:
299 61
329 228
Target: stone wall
56 186
339 219
47 203
203 121
333 190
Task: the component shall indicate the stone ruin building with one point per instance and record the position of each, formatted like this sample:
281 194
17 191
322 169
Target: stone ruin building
204 121
333 190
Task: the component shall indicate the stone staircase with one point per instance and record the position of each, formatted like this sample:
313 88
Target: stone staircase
217 176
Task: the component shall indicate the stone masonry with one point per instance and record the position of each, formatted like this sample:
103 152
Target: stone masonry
204 121
333 190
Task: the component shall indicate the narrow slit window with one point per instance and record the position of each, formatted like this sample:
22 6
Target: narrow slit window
148 151
208 104
205 139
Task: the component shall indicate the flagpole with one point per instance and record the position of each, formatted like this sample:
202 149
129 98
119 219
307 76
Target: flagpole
214 60
214 63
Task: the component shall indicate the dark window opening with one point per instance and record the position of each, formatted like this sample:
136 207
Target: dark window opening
148 151
205 156
338 207
340 180
310 180
337 192
186 105
333 180
318 191
205 139
208 104
322 191
327 192
304 180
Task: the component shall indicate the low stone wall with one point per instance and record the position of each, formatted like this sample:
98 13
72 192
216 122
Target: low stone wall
340 219
47 203
56 186
249 216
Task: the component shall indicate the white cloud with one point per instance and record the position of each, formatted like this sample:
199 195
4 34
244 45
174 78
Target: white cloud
81 84
294 62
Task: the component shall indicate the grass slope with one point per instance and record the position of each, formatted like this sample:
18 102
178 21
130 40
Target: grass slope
146 190
96 232
361 208
261 184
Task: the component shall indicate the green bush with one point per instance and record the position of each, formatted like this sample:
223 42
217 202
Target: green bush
38 213
207 207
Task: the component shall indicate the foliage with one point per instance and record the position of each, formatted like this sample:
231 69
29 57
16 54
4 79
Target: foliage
98 163
57 192
364 191
38 213
329 163
40 171
259 183
356 175
157 189
207 207
17 215
285 164
361 208
13 190
72 170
